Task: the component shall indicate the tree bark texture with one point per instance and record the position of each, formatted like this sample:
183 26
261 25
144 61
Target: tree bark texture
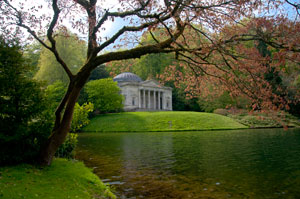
62 126
60 132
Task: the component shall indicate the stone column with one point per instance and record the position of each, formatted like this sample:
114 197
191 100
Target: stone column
144 98
162 101
140 100
171 103
158 100
154 99
149 104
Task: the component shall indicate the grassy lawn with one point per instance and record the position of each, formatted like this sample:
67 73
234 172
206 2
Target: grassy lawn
63 179
161 121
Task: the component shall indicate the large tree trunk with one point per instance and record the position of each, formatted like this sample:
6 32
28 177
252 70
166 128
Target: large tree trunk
60 131
62 126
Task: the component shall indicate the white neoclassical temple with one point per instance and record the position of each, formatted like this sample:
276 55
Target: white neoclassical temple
141 95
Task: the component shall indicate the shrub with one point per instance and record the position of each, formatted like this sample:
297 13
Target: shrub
55 92
66 150
105 95
80 116
221 111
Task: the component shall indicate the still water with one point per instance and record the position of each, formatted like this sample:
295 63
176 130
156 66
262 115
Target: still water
208 164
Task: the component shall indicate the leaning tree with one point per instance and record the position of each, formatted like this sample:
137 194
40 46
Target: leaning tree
180 20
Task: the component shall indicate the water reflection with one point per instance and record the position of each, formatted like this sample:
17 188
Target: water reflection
215 164
155 154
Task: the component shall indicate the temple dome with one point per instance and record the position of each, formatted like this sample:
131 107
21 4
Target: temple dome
127 77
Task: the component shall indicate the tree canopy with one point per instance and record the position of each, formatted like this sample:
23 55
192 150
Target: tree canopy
71 50
220 56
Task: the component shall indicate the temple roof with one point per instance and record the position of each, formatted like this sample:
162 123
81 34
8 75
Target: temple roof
127 77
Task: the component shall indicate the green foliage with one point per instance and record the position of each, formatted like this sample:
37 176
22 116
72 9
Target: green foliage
55 92
221 111
297 82
180 102
63 179
98 73
32 52
151 65
71 50
66 150
80 116
24 123
104 94
211 103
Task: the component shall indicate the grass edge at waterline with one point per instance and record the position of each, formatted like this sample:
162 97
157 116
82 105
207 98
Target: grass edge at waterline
161 121
62 179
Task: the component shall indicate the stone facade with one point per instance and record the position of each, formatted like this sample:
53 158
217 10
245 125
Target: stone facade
141 95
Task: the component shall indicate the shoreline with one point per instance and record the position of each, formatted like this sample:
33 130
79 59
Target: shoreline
289 127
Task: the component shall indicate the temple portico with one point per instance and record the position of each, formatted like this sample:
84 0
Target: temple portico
143 95
152 99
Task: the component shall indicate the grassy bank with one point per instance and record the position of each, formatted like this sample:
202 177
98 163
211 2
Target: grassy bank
63 179
160 121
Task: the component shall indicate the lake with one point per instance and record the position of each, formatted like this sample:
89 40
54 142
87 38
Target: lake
254 163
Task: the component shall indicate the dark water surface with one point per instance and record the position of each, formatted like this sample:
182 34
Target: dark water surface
209 164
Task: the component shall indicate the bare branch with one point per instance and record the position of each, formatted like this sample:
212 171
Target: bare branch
52 48
53 42
20 23
153 37
296 6
122 31
164 46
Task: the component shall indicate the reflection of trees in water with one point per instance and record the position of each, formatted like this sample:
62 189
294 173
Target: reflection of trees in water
238 164
148 151
158 166
147 162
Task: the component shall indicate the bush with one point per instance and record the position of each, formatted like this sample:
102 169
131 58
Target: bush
66 150
105 95
24 121
221 111
55 92
80 119
80 116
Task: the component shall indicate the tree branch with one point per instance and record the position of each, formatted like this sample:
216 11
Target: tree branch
53 42
140 51
122 31
52 48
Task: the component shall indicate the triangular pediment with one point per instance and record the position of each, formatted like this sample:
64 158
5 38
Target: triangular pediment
151 83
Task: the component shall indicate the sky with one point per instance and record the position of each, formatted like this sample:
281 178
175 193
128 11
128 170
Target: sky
112 27
105 4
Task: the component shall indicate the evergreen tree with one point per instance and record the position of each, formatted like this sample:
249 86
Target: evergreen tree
23 120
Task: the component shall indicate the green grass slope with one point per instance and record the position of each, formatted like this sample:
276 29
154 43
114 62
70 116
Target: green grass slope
161 121
63 179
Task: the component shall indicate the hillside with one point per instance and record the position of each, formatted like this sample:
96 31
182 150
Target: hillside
160 121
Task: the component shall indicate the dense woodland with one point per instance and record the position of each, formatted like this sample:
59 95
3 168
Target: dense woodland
215 54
